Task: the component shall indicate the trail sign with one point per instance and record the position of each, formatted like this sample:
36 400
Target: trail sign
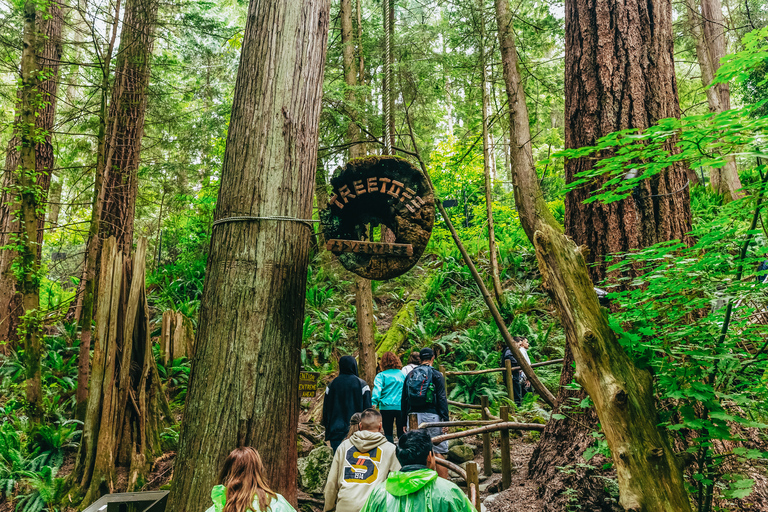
378 191
308 384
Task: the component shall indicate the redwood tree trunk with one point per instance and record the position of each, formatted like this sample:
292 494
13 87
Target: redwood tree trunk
47 49
125 123
243 388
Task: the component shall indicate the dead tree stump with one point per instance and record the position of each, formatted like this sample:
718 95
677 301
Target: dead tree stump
127 407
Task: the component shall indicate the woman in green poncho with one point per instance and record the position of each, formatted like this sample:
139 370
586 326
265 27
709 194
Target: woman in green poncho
242 487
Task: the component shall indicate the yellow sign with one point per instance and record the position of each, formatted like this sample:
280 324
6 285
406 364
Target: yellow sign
308 384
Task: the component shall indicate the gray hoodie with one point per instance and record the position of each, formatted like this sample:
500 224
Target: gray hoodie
360 462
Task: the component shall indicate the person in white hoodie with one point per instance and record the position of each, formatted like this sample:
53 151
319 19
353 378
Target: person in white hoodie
359 464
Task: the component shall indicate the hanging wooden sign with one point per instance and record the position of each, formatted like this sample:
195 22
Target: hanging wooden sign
378 191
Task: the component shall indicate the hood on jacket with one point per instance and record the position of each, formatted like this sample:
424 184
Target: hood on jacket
365 440
347 366
401 484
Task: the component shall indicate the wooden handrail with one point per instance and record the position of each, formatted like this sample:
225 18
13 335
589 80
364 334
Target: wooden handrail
494 370
507 425
466 406
459 423
453 467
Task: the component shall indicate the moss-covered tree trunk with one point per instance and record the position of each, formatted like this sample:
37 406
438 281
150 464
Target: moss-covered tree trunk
650 477
243 389
44 44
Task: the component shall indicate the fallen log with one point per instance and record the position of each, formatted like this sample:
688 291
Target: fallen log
504 425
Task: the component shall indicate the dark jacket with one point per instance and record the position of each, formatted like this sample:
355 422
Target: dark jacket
440 407
346 395
506 354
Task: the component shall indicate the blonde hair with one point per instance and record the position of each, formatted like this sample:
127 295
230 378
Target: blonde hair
243 477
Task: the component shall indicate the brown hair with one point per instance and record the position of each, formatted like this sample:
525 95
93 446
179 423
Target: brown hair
354 424
243 476
370 419
390 361
414 358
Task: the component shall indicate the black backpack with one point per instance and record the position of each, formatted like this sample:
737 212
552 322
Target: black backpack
421 390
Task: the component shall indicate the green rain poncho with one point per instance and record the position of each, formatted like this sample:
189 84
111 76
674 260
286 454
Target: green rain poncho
417 491
219 497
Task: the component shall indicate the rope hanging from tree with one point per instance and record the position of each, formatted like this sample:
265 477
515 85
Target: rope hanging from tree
387 79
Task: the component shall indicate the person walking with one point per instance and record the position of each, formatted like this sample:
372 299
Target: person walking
344 396
387 390
413 361
507 355
424 395
361 462
525 382
415 487
242 487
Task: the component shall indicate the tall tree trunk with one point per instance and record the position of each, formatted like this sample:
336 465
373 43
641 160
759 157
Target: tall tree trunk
244 384
650 478
47 53
125 124
707 27
363 291
86 291
488 165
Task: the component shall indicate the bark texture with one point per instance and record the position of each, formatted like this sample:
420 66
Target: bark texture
243 388
708 29
619 74
125 123
46 49
127 408
650 478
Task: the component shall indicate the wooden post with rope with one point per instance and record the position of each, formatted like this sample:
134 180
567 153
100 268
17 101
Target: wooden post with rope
487 469
506 466
473 484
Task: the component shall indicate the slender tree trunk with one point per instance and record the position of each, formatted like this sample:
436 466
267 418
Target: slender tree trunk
125 125
650 478
86 292
363 292
707 27
243 389
488 165
47 53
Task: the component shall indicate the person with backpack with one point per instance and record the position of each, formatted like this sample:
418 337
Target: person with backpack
361 462
387 390
242 487
517 375
413 361
344 396
424 395
416 488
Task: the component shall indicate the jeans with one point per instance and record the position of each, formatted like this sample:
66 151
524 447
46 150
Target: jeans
389 418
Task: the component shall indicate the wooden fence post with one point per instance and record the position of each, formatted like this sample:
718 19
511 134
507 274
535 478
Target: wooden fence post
473 485
413 421
506 467
508 373
487 468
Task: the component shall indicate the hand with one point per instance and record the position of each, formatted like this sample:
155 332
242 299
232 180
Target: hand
445 430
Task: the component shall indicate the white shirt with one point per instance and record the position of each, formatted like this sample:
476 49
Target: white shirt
524 351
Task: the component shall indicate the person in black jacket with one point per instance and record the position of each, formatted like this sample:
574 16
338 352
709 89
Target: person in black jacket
517 375
346 395
424 394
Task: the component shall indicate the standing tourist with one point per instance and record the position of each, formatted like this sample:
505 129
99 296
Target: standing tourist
242 487
413 361
424 395
507 355
361 462
387 391
415 487
344 396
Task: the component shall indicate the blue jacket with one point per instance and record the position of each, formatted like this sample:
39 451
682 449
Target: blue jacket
387 390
